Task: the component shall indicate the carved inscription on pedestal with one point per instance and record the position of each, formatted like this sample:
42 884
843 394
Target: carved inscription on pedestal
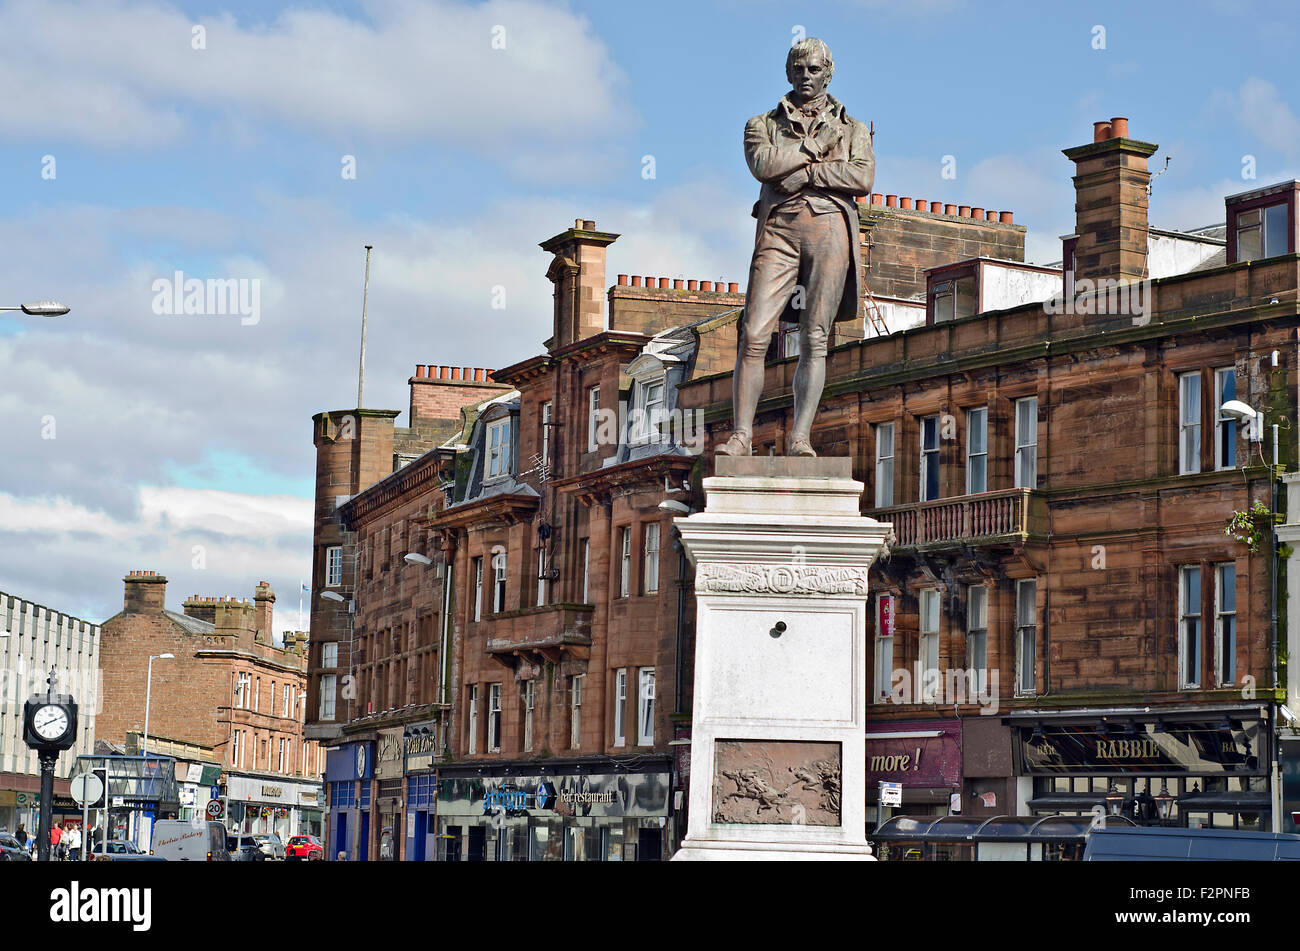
776 782
780 579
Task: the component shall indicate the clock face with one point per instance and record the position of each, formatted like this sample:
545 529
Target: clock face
50 721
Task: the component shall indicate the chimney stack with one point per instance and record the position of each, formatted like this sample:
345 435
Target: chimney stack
1110 187
146 592
578 273
264 598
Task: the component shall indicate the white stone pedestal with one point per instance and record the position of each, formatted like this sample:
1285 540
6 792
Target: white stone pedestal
778 727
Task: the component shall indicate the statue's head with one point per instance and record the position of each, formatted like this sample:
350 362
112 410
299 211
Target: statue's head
809 68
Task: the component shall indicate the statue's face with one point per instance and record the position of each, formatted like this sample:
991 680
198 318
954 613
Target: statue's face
809 76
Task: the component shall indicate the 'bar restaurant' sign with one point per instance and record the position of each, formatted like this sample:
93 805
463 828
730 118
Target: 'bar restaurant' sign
1218 745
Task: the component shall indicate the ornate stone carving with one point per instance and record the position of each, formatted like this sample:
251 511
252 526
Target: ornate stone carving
777 782
780 579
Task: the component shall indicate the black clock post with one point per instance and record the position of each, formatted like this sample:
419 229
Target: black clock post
49 727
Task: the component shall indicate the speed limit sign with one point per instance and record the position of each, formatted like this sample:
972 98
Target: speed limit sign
215 809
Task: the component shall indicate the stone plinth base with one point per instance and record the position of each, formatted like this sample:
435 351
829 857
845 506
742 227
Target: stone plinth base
781 554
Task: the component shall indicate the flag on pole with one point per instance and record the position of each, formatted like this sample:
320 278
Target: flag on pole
305 589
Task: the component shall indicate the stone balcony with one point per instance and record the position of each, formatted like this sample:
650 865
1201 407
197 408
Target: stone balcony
1004 517
553 632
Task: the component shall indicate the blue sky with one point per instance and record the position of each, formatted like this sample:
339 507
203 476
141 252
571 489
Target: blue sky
171 432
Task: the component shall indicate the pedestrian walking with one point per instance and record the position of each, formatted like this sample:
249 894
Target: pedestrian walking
21 835
72 844
56 842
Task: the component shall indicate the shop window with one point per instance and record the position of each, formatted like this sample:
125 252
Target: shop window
528 698
1027 443
471 707
1189 423
977 623
625 562
929 645
586 565
977 450
884 672
1189 627
593 418
1225 622
546 437
1225 427
651 561
499 582
541 575
645 721
477 595
1026 637
929 458
620 706
494 718
575 711
884 465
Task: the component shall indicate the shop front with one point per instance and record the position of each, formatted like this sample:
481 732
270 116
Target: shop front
578 816
348 771
388 804
1195 767
419 746
272 803
924 757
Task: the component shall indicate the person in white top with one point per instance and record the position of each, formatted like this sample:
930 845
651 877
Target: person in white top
72 843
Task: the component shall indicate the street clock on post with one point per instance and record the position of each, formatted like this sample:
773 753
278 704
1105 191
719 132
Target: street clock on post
49 727
50 722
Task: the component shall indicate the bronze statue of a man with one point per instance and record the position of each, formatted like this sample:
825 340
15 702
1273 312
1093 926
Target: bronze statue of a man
812 159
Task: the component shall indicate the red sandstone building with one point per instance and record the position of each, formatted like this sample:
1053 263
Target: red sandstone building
1062 623
228 705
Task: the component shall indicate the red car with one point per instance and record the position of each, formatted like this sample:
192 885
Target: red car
304 847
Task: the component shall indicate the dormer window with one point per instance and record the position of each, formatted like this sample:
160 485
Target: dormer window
954 298
647 420
1262 223
1261 232
497 457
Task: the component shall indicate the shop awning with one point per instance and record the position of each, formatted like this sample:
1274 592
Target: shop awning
1225 802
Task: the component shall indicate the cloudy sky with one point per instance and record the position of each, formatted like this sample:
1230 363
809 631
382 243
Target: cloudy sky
145 138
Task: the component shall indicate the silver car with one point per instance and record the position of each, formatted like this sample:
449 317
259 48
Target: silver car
270 844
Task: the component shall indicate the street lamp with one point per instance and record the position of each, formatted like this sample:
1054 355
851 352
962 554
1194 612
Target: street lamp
41 308
148 689
415 558
1114 800
1164 802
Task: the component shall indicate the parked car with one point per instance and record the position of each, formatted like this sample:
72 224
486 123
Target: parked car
122 850
179 840
11 851
272 845
304 847
244 849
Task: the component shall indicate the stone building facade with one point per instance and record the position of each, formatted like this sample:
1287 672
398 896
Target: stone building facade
1063 623
1063 618
34 639
230 703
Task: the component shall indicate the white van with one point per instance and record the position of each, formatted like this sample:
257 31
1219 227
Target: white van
179 840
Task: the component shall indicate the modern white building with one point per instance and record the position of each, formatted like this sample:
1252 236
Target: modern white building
34 639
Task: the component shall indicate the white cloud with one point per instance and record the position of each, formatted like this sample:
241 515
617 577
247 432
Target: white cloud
124 74
1265 115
